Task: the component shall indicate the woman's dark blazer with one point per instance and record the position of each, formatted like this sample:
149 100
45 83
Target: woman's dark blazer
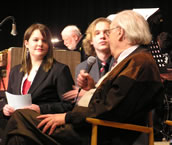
47 87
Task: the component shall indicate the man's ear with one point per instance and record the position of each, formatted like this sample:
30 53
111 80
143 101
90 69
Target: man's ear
76 37
121 34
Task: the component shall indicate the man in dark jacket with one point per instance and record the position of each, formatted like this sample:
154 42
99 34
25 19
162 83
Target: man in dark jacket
72 38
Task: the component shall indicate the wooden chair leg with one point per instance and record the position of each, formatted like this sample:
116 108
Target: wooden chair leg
94 135
151 138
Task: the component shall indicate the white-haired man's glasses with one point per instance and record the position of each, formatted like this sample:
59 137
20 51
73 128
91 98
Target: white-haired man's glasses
109 30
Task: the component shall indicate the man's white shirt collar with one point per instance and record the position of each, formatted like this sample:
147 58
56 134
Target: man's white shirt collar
126 52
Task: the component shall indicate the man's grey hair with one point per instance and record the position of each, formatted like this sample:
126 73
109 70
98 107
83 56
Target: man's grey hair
71 29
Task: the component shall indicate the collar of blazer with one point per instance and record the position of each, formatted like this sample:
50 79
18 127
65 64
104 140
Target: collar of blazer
39 78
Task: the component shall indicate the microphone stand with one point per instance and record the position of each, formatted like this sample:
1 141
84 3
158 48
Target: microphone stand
13 31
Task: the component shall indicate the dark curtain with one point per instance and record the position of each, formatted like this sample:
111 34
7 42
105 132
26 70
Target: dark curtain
58 14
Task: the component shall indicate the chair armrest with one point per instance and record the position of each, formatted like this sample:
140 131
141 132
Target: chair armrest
96 122
119 125
168 122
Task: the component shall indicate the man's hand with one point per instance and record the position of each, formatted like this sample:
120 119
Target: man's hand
72 94
85 81
51 121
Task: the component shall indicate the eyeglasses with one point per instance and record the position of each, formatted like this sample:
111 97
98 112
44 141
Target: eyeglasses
109 30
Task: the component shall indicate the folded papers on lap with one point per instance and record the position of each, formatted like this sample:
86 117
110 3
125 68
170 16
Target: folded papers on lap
18 101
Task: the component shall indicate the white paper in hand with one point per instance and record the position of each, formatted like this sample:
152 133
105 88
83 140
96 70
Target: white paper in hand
18 101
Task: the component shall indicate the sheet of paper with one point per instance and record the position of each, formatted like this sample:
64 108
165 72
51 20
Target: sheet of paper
18 101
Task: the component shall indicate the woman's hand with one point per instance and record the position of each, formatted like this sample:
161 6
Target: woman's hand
8 110
51 121
33 107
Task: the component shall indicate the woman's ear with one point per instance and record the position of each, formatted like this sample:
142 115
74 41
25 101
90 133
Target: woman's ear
26 43
91 42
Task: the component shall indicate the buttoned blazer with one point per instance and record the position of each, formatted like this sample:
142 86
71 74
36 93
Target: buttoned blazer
47 87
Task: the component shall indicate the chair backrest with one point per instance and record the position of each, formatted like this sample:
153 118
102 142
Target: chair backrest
70 58
145 129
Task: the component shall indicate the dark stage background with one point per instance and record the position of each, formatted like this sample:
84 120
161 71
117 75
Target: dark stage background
57 14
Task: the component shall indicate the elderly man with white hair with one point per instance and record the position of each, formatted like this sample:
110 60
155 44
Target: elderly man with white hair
72 38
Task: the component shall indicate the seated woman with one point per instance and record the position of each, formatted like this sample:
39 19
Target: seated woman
40 75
